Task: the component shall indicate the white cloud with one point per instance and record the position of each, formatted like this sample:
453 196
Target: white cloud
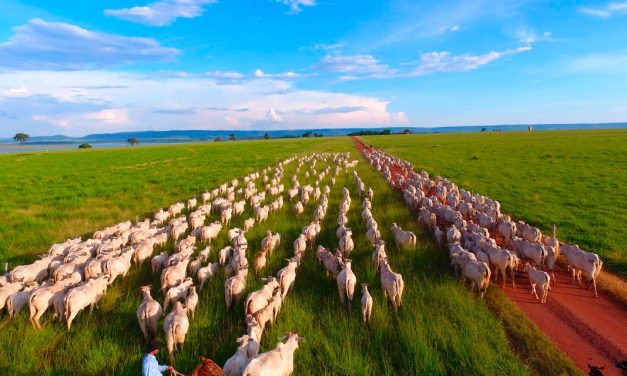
353 66
17 92
161 13
273 116
261 74
116 116
119 101
225 74
108 120
295 5
454 28
443 61
607 10
60 46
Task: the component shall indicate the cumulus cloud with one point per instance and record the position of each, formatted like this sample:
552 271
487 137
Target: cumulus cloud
611 9
444 61
295 5
108 120
161 13
60 46
273 116
134 101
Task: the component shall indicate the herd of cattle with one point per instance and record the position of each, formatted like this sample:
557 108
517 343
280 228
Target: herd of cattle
75 274
479 237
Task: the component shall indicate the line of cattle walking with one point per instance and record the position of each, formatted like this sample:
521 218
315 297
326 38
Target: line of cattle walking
479 237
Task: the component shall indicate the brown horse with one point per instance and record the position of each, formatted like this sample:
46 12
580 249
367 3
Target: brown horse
207 367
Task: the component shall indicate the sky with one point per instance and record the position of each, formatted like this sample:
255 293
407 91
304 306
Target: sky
122 65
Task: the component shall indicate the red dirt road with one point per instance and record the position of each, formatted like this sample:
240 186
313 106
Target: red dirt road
588 330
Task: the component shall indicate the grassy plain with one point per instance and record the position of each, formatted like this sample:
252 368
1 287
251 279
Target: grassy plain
441 330
574 179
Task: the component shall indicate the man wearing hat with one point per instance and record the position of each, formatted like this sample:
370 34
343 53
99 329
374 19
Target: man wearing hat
150 366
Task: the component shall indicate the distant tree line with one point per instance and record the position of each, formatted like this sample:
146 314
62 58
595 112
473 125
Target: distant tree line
384 132
312 134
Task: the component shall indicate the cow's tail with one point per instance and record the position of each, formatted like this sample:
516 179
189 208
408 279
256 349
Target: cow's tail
10 306
66 306
172 334
248 301
12 275
400 285
413 239
598 265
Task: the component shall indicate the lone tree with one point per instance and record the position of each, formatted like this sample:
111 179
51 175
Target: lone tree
84 146
232 137
21 138
133 141
266 136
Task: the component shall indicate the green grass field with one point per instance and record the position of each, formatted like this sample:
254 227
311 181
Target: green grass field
441 330
574 179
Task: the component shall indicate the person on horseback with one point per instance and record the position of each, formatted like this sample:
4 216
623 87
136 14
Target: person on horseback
150 366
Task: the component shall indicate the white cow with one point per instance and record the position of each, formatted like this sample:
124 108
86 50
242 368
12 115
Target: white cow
177 293
148 314
287 276
366 303
256 300
479 274
175 325
403 239
392 284
191 301
83 296
249 223
379 254
119 265
235 365
298 208
277 362
584 262
270 242
225 216
234 288
207 272
19 300
346 282
173 275
43 297
300 245
346 243
538 278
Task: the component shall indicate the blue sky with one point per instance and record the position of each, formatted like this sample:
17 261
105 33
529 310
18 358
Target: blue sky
271 64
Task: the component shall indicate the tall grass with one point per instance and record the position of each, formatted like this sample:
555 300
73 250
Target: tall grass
441 330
